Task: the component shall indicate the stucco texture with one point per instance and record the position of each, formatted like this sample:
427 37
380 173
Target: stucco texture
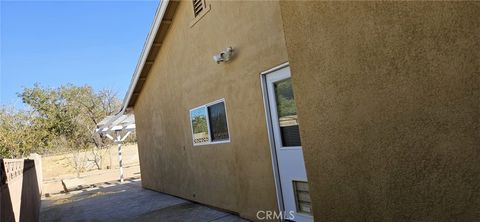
235 176
388 101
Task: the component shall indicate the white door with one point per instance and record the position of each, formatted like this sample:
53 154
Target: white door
286 136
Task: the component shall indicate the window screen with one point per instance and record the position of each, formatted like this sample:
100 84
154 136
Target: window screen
218 122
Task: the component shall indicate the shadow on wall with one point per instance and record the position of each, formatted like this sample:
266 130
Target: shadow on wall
6 208
20 191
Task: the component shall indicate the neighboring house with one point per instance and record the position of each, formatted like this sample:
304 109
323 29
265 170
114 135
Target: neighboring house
379 120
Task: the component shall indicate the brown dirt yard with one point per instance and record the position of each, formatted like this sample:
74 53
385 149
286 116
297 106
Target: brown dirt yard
55 168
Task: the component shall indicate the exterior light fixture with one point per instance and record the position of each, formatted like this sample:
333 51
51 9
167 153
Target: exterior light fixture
223 56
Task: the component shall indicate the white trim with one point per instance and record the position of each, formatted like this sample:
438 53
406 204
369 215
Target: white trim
270 77
273 114
271 139
281 66
205 106
146 49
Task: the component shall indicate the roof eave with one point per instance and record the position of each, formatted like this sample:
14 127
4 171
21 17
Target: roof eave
145 51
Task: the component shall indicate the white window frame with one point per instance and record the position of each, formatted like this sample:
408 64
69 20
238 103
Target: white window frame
205 106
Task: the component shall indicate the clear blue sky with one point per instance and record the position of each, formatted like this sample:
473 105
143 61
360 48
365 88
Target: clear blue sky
57 42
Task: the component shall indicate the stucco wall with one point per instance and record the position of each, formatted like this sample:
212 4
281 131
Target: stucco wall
389 104
235 176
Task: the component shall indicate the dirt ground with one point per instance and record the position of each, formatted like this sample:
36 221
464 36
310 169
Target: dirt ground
58 167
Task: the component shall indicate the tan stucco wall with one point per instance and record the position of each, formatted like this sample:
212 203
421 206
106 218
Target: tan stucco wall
389 105
235 176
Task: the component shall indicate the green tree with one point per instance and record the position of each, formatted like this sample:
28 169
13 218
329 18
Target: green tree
57 119
17 137
66 118
285 100
199 124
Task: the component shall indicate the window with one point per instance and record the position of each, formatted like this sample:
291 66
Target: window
218 122
302 197
198 117
287 113
209 123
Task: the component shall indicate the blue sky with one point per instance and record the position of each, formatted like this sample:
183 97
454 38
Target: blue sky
96 43
201 111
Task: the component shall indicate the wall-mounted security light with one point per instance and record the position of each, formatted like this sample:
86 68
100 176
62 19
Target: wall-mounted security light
223 56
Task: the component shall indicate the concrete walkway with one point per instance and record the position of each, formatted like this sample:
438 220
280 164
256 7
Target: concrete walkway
126 202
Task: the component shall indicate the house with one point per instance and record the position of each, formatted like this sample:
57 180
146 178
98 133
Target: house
310 110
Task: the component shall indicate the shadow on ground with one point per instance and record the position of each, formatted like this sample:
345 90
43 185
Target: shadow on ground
126 202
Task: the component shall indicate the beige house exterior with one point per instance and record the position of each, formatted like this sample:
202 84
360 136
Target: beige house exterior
387 97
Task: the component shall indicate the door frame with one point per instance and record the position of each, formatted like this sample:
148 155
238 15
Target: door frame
271 138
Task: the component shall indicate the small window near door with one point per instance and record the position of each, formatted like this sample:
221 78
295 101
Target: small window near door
209 123
287 113
302 197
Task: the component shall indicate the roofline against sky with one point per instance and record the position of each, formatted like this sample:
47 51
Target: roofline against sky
146 49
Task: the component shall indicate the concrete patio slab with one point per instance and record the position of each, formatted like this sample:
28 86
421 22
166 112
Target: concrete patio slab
127 202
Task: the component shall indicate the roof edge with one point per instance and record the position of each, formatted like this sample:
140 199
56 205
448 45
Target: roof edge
146 49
